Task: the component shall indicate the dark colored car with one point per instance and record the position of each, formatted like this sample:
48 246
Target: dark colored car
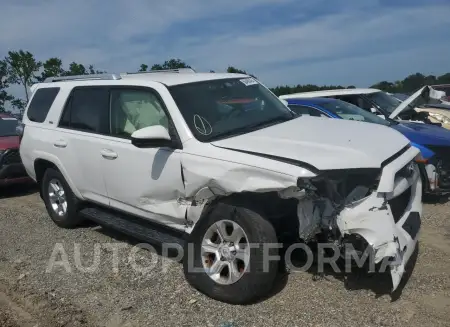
11 168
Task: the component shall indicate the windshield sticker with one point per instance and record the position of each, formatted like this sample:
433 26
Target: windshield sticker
202 125
248 81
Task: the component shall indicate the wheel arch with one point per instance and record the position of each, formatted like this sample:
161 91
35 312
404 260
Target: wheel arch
42 163
281 213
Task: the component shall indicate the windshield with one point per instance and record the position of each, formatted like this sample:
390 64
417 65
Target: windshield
349 111
8 127
384 101
223 108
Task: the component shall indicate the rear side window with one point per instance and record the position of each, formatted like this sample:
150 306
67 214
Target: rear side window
87 110
41 103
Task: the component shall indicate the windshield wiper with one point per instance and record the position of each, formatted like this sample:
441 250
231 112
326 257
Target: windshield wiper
249 128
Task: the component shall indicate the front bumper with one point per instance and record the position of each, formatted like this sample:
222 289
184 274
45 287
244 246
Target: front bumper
390 218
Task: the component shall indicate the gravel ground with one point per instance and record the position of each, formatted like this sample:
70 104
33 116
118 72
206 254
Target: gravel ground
30 296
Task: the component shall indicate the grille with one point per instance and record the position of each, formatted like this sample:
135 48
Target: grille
398 205
11 157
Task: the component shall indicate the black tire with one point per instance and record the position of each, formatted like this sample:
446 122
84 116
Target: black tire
257 282
71 218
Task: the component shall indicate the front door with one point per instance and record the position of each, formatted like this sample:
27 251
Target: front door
144 181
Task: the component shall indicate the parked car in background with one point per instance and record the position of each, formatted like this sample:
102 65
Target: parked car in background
443 88
223 164
11 167
432 141
383 104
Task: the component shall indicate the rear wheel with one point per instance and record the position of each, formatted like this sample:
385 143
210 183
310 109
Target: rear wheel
61 203
225 259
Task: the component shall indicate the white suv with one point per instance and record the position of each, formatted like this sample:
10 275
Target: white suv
219 164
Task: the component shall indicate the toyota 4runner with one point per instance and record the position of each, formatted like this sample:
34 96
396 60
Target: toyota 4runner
219 164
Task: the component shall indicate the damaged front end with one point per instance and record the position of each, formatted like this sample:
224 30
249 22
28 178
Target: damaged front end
381 206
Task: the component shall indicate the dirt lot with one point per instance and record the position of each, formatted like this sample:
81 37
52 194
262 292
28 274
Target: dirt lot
30 296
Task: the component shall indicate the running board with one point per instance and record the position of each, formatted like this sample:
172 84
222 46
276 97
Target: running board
139 228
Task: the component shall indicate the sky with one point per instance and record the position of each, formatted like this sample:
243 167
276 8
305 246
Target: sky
282 42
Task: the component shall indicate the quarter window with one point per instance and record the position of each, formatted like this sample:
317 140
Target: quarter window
132 110
40 103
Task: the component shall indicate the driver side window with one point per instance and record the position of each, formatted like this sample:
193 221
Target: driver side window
133 109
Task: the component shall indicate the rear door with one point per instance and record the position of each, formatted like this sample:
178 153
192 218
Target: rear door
80 137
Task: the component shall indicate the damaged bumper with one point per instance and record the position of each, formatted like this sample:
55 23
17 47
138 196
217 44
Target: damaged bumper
389 219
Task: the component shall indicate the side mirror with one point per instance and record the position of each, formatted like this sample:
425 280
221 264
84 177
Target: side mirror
151 137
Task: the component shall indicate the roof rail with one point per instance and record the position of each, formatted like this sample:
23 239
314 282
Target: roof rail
82 77
178 70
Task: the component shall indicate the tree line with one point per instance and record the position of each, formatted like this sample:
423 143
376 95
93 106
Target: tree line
22 68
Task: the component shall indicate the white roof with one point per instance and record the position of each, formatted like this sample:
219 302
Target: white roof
167 78
328 93
175 78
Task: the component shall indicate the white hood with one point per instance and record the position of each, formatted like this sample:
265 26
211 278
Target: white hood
323 142
426 92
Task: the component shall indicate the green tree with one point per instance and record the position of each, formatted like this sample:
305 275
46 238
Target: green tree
21 67
92 70
76 69
385 86
52 67
235 70
170 64
143 68
19 104
4 96
443 79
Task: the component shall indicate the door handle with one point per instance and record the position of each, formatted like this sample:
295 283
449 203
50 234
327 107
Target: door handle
108 154
60 144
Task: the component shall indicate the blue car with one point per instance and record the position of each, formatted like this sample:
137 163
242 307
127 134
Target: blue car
432 141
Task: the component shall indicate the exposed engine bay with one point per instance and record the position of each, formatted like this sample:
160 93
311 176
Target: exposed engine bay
342 207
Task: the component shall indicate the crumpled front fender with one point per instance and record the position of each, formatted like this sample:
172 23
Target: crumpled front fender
389 237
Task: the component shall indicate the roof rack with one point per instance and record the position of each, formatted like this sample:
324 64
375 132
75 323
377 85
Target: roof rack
178 70
82 78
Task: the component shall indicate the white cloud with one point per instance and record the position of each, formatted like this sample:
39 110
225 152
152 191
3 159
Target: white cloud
325 37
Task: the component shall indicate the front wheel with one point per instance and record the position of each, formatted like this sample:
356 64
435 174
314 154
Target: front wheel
231 255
